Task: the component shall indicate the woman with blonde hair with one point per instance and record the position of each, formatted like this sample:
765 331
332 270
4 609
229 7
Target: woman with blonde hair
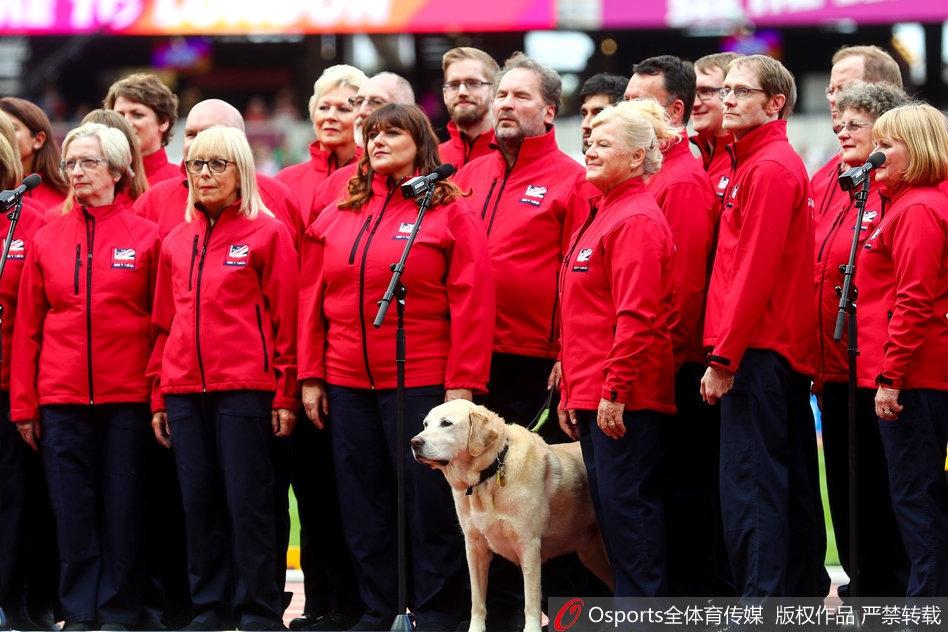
333 117
617 379
78 385
902 277
224 378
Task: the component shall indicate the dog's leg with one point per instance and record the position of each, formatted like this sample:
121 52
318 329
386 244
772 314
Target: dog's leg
530 562
593 556
478 561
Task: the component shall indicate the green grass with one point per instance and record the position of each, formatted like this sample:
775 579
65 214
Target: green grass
294 521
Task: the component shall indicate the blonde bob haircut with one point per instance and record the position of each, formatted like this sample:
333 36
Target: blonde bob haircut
645 125
925 133
231 144
11 171
340 76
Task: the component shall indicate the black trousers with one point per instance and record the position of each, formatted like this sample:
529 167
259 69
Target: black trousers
883 563
625 480
697 558
770 496
94 457
329 579
221 447
364 447
915 451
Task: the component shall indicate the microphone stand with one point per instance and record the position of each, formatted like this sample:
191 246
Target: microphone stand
397 291
14 216
847 307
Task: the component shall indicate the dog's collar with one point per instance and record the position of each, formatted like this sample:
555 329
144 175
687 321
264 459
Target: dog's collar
496 467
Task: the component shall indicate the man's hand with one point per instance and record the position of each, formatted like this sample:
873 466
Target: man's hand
283 421
30 431
555 376
459 393
159 425
609 418
315 402
887 403
568 424
715 384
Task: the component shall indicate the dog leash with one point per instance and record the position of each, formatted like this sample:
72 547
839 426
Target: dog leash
540 419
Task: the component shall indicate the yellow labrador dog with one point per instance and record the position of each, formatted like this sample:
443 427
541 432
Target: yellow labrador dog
515 496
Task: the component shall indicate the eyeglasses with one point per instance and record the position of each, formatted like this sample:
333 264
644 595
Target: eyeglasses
86 164
706 93
852 127
374 102
469 84
741 92
215 165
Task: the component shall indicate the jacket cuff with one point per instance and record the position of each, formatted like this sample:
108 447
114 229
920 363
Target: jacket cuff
289 403
888 382
22 415
614 395
312 374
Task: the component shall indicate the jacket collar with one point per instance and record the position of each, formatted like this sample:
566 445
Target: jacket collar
324 161
203 218
674 151
155 161
101 213
459 139
532 148
383 185
760 137
623 189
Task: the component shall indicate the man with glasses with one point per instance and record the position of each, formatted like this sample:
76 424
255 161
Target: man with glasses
468 87
761 329
683 191
598 92
707 118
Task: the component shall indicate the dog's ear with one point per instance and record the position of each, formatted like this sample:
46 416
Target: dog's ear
482 434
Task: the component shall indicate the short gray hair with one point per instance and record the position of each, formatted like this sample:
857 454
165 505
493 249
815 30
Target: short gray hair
115 148
873 99
551 87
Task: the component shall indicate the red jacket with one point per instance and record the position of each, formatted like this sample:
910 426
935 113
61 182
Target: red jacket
166 202
31 220
761 294
304 178
225 309
531 210
459 150
684 194
46 196
902 277
449 313
85 300
715 159
331 191
158 167
834 221
617 306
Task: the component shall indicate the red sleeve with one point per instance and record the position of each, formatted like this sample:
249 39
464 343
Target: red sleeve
633 256
689 211
27 340
162 313
470 286
918 244
312 325
280 284
767 200
143 207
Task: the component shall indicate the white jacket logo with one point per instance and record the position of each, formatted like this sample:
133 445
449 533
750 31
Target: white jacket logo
584 255
237 255
17 250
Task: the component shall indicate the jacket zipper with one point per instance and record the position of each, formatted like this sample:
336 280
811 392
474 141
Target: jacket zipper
263 340
75 276
90 241
355 244
194 252
197 302
566 261
490 192
365 254
500 193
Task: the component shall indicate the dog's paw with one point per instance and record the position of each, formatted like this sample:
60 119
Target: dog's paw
477 626
532 626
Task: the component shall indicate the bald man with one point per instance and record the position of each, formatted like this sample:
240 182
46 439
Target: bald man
166 202
379 90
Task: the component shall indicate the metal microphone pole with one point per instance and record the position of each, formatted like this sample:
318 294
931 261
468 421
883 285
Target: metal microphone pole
847 307
14 217
397 291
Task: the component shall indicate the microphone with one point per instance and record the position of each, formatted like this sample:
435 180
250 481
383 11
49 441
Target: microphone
420 184
8 197
855 176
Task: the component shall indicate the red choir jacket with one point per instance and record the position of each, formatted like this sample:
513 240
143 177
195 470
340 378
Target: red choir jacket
684 194
303 179
902 277
449 313
617 306
31 220
84 311
166 202
761 294
834 221
46 196
225 309
530 210
331 190
458 150
158 167
716 160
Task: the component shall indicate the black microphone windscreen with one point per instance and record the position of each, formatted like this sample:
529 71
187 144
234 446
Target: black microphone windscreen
444 171
877 159
32 181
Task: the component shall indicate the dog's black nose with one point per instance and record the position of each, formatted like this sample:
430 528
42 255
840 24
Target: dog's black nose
417 442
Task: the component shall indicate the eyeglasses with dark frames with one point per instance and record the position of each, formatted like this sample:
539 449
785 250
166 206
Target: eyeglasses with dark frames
215 165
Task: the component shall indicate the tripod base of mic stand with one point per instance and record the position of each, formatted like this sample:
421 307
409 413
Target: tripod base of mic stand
402 623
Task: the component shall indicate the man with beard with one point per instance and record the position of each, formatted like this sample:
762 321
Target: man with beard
598 92
468 79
